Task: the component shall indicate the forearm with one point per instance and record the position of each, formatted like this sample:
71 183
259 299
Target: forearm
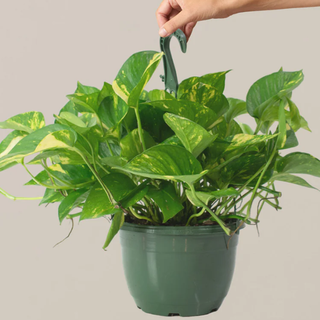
259 5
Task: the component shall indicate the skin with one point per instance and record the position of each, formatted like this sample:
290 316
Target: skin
184 14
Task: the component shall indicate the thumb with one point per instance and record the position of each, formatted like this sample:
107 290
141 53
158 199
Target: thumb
179 21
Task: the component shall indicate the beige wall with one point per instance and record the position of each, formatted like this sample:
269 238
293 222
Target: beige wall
45 47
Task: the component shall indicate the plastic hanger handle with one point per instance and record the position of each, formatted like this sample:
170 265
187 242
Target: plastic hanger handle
170 76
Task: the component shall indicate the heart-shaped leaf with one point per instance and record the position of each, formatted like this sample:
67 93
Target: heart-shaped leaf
216 80
287 177
166 162
28 122
299 162
193 136
71 202
51 196
131 144
266 93
187 109
10 141
236 108
98 204
117 222
134 75
166 198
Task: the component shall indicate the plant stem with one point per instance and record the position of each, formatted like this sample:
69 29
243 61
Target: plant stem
92 151
140 129
215 216
105 188
259 181
259 125
141 217
11 197
109 147
196 215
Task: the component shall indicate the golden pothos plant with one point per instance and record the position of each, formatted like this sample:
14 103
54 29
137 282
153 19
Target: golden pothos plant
153 158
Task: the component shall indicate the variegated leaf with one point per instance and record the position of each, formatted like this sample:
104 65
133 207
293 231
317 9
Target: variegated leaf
98 204
166 162
265 94
10 141
216 80
193 136
131 144
187 109
299 162
134 75
166 198
28 122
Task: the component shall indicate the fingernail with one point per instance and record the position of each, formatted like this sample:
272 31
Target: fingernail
163 32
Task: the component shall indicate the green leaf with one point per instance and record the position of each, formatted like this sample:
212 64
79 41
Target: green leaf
72 121
51 196
299 162
291 140
28 122
205 197
62 156
86 89
208 96
156 94
167 200
166 162
134 75
187 109
115 161
287 177
116 225
265 94
236 108
69 107
57 140
241 169
152 122
51 136
295 120
193 136
66 175
245 128
71 202
131 145
135 195
174 141
85 102
112 108
216 80
98 204
10 141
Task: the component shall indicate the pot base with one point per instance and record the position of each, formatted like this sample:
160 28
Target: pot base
177 310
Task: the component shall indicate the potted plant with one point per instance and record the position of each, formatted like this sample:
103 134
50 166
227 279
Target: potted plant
177 172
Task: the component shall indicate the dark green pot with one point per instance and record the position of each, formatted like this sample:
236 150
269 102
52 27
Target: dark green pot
184 271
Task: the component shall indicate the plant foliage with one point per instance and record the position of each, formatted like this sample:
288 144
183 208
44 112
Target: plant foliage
150 158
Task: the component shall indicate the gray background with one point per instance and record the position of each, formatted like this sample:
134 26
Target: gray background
45 47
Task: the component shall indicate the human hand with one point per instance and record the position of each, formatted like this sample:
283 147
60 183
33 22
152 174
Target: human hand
184 14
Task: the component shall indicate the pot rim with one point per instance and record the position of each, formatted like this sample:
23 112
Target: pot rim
180 230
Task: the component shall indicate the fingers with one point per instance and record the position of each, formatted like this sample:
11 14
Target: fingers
179 21
188 29
163 12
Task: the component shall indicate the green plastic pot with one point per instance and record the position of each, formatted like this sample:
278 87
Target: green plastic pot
184 271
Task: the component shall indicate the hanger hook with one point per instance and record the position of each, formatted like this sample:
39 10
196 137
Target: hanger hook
170 76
